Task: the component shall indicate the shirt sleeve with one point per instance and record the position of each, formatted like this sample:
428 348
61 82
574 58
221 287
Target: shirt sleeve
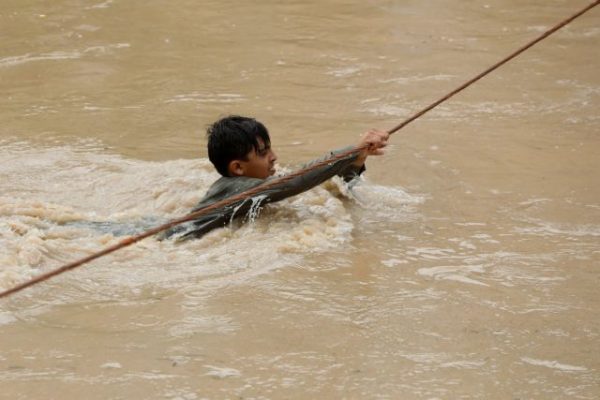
342 167
227 187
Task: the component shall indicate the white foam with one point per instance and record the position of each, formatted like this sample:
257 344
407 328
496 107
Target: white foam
463 364
392 262
555 229
432 253
425 358
344 72
59 55
104 4
198 97
221 372
418 78
50 227
111 365
22 59
553 365
453 273
6 318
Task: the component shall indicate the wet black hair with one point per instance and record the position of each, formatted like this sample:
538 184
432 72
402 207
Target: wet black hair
232 138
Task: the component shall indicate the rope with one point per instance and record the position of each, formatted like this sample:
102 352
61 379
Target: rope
191 216
265 186
495 66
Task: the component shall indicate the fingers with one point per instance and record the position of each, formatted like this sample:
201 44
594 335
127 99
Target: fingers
376 140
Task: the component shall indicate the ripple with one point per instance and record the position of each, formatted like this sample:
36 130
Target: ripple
553 365
59 55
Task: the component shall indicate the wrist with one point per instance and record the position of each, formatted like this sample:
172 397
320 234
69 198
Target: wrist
360 160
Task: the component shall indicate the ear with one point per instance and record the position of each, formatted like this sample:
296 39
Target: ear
235 168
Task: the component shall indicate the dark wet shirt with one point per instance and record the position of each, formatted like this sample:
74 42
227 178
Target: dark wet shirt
226 187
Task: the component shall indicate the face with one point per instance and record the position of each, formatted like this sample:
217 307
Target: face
260 163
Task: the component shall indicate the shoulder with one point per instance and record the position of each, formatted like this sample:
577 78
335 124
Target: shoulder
227 186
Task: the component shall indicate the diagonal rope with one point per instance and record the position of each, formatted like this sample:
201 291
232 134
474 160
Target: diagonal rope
267 185
495 66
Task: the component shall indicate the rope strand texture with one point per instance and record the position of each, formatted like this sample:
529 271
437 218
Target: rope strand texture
249 193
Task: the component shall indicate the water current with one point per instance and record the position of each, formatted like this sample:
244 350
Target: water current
464 264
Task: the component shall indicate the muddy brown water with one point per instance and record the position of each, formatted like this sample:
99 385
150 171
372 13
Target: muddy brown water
464 265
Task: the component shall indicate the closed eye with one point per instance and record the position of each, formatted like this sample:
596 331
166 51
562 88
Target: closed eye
263 152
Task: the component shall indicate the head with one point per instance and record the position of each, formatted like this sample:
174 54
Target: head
241 146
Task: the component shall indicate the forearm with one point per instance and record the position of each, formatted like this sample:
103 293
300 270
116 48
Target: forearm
343 167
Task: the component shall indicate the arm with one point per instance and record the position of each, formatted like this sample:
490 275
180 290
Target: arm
347 167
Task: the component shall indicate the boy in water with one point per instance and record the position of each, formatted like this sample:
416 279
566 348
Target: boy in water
240 150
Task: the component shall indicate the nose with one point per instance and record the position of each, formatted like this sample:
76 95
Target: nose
273 156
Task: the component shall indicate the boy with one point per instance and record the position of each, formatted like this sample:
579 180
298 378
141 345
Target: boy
240 150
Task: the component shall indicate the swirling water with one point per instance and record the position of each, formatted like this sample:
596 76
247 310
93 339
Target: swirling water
463 265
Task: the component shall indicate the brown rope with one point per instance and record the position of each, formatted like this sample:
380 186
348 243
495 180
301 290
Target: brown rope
495 66
136 238
249 193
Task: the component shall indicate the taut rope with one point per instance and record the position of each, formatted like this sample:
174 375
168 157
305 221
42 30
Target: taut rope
495 66
249 193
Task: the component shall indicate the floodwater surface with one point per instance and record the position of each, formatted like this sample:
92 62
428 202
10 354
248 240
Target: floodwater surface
464 264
